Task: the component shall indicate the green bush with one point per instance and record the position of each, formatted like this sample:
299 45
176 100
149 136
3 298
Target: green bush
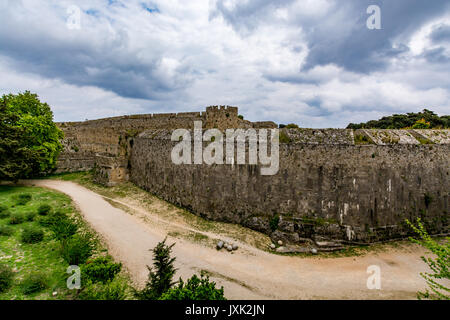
274 222
3 208
101 269
6 231
23 199
77 249
16 218
439 265
52 219
160 279
44 209
32 235
29 216
194 289
6 277
34 282
5 214
63 228
112 290
292 126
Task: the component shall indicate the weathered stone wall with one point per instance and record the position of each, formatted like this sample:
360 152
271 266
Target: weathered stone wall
331 184
108 137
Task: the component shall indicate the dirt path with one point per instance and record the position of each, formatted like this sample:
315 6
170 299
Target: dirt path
248 273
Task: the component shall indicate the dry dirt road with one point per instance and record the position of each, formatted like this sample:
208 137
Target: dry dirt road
248 273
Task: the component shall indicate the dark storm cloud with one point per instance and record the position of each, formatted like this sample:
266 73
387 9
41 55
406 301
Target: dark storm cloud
104 61
441 34
341 36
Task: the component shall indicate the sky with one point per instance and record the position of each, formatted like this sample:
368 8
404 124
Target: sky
310 62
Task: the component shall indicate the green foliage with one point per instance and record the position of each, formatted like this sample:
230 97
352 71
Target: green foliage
440 266
160 279
23 199
34 282
17 218
194 289
274 222
6 277
421 120
5 214
6 230
284 138
421 124
29 216
44 209
3 208
63 228
362 139
52 219
111 290
30 141
292 126
101 269
77 249
241 117
32 235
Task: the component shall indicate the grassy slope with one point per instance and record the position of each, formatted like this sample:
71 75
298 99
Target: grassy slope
44 256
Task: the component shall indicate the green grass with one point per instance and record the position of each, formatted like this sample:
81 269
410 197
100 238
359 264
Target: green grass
27 259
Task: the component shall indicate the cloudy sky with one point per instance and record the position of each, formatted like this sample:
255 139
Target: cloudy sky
312 62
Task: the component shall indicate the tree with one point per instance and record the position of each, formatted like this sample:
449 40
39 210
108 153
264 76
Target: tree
30 142
440 266
425 119
195 289
160 279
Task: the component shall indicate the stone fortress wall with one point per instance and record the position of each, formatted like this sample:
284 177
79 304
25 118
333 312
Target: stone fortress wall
333 184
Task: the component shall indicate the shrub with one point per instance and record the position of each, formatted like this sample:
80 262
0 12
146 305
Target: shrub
16 218
274 222
29 216
6 231
101 269
159 280
44 209
6 277
63 228
292 126
3 208
52 219
77 249
32 235
440 265
4 214
23 199
112 290
195 289
34 282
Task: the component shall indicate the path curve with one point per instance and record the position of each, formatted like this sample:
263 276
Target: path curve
253 274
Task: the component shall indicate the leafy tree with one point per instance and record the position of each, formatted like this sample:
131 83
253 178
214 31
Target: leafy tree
440 266
422 120
194 289
421 124
29 139
160 279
